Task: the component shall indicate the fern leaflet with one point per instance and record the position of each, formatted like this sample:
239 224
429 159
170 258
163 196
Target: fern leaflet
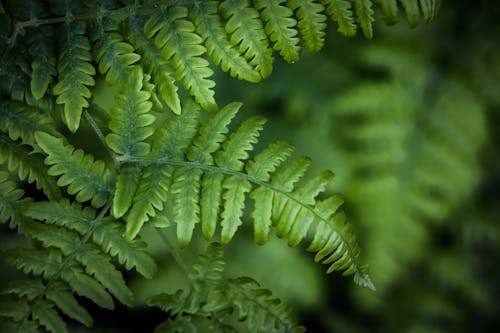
75 73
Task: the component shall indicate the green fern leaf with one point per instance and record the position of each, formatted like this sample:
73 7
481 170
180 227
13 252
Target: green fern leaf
40 262
21 122
280 27
103 271
364 12
88 287
311 22
185 189
153 62
43 67
210 26
340 11
429 8
130 126
176 37
209 267
28 166
412 11
204 145
88 179
44 313
114 55
107 233
156 177
261 311
212 134
67 303
234 150
261 167
16 310
131 118
96 264
11 203
246 30
28 288
75 73
389 10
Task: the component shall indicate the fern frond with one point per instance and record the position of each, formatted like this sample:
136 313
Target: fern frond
75 72
279 25
112 52
261 311
106 232
130 126
212 176
21 122
389 10
131 118
247 31
78 246
175 35
151 59
88 179
341 12
364 12
311 22
214 296
156 177
209 25
66 302
29 166
44 60
11 203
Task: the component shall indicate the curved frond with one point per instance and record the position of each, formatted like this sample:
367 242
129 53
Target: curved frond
176 36
88 179
211 178
75 72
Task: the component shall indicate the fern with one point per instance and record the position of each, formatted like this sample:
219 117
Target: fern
76 259
213 296
87 178
292 209
176 37
75 73
81 198
428 152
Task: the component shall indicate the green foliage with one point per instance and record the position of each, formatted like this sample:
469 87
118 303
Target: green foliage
76 192
214 297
